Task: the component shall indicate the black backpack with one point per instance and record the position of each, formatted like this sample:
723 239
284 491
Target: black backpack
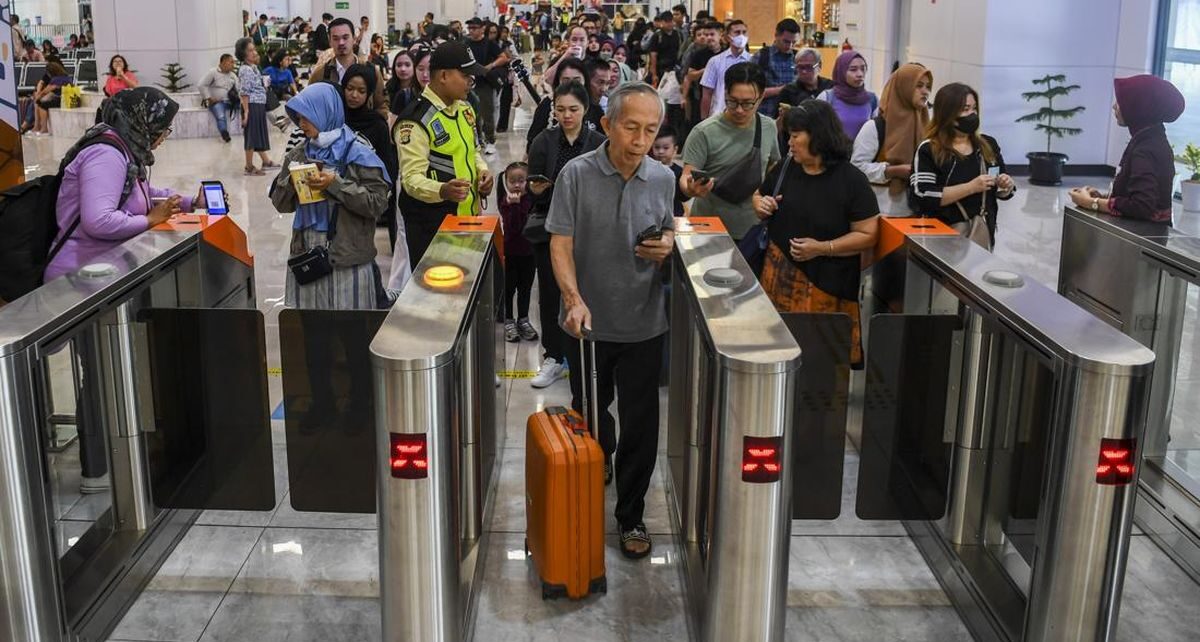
29 224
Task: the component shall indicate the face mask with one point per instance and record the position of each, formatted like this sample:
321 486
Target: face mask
967 124
740 40
325 139
605 56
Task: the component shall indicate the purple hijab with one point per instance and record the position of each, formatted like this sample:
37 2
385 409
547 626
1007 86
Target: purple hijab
843 91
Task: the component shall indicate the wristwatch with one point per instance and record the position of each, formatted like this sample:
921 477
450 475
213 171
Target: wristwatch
1096 204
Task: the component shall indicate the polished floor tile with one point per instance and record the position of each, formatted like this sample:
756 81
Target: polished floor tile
183 596
1159 602
644 599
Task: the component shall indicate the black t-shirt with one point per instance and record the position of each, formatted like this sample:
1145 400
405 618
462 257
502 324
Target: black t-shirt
486 51
821 207
698 60
666 45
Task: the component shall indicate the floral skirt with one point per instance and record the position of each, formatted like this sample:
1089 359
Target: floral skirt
790 290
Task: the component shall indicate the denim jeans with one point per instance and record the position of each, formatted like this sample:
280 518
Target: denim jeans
220 111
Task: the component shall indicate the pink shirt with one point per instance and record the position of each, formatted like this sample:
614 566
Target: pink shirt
114 84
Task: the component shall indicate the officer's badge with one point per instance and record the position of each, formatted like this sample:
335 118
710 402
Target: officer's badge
406 134
440 135
470 116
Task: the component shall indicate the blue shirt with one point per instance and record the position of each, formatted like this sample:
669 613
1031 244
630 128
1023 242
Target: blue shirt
780 69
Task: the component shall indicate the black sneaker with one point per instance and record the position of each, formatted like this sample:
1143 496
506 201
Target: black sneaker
632 542
225 136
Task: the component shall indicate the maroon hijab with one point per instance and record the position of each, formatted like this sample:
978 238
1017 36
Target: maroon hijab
1147 100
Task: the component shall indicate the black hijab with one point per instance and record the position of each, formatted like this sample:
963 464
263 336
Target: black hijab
367 122
139 116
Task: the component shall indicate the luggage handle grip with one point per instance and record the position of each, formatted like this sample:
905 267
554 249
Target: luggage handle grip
588 388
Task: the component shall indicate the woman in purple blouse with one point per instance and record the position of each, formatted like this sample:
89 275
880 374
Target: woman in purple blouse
106 198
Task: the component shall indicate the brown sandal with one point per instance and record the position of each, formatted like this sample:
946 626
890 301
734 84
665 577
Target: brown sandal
254 171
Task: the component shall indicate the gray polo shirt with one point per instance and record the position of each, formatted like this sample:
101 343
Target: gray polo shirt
605 213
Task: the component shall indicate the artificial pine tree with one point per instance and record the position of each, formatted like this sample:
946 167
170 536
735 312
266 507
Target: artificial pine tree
1046 168
173 74
1055 87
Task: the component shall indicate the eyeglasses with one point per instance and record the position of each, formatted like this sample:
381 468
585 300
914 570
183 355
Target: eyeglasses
807 67
744 105
167 132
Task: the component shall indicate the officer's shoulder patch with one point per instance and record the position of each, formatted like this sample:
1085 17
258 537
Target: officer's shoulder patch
406 129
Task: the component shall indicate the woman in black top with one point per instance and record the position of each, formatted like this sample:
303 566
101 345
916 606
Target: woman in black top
821 214
569 70
958 173
358 85
403 87
548 154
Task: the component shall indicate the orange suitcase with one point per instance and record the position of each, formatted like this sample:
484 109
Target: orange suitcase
564 500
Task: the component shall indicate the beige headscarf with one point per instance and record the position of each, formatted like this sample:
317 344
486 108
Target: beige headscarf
905 121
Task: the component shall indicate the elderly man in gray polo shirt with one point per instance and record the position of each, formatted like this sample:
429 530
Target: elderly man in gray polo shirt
604 201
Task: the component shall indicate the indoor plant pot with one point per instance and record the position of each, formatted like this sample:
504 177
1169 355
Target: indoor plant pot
1046 168
1191 195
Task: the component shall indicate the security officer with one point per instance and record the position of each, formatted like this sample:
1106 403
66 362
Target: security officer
441 169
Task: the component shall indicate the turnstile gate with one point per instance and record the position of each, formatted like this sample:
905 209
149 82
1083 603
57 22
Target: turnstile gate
732 396
133 323
438 423
1019 488
1141 277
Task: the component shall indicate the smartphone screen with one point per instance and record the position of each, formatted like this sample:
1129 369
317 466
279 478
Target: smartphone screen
994 171
214 198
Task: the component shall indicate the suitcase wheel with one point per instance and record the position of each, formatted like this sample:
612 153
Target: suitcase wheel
553 591
599 585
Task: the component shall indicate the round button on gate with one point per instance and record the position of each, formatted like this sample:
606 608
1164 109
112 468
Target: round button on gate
723 277
96 270
1004 278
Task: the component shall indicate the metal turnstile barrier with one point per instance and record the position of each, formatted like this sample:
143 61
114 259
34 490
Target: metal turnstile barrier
732 394
133 323
1135 276
438 423
1019 491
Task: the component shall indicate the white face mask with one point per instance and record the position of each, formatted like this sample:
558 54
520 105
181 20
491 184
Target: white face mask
740 40
325 139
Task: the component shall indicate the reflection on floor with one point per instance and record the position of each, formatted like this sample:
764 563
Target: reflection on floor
286 575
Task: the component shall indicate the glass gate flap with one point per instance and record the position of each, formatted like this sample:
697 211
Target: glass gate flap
819 419
905 458
329 408
211 443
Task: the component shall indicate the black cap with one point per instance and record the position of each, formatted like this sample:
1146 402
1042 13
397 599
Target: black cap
475 22
455 55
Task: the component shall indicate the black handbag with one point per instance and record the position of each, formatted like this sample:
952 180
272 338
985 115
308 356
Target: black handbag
738 183
753 245
315 263
535 228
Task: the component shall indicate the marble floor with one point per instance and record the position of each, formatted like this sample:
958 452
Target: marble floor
284 575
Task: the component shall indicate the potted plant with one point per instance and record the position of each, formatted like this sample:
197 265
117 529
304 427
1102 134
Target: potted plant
172 72
1191 186
1046 168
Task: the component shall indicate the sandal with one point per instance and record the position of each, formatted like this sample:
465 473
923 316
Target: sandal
633 539
254 171
270 165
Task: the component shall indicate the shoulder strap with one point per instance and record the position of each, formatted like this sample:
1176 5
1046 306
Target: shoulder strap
757 131
126 190
782 171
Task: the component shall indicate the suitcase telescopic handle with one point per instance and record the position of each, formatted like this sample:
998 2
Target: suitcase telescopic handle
590 386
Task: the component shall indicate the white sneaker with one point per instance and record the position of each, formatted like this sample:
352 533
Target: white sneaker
550 372
489 149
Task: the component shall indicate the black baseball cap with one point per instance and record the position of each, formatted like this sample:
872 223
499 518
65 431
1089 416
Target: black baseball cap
475 22
455 55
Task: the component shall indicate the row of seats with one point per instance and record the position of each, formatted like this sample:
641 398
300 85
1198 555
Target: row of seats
77 54
29 73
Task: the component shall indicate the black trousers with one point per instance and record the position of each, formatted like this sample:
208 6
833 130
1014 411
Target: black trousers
419 230
631 370
554 340
518 279
93 443
505 107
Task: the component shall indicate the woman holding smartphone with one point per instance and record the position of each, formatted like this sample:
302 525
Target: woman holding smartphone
548 154
959 175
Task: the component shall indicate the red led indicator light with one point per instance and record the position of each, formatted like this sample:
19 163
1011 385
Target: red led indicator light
409 456
760 459
1116 465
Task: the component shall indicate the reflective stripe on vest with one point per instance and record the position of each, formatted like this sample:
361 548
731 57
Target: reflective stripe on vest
452 150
